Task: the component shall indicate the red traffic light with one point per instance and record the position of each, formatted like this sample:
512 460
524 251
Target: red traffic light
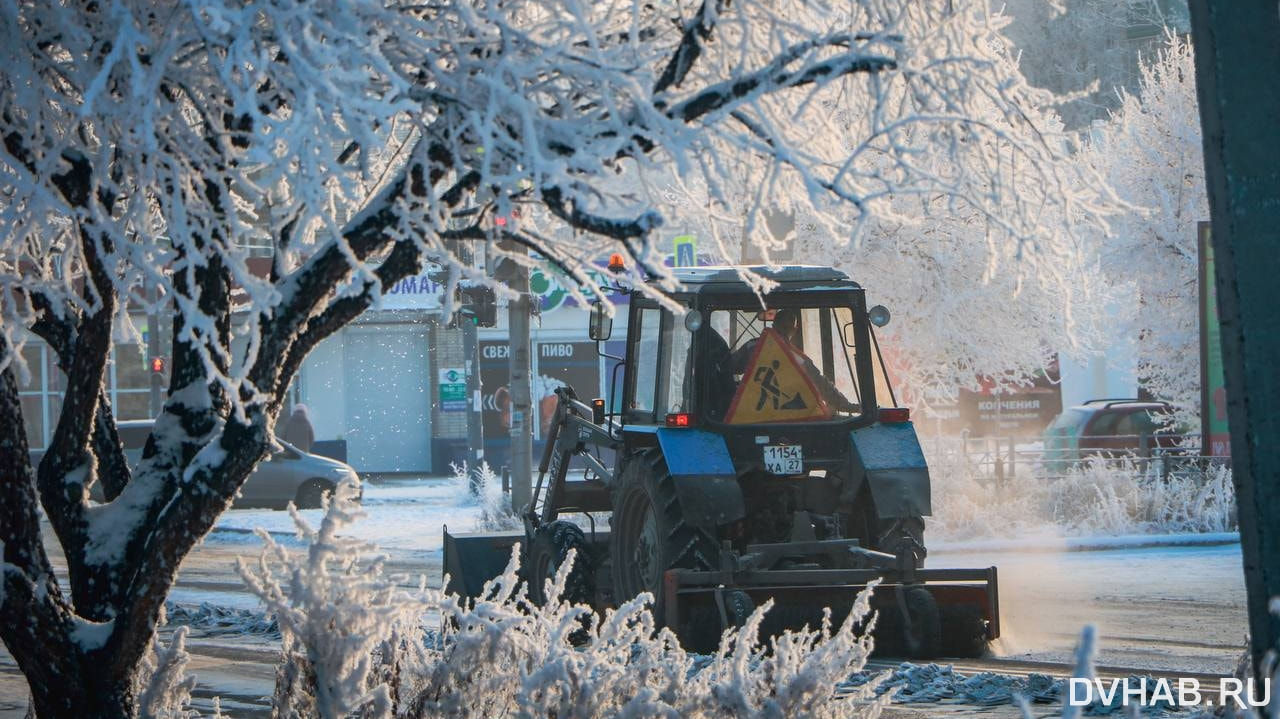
158 364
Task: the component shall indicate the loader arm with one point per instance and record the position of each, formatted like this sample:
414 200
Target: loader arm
572 433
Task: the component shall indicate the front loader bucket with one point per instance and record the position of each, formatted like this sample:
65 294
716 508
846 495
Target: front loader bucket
964 606
473 558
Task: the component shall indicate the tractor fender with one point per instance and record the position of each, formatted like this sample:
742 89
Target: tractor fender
890 459
703 475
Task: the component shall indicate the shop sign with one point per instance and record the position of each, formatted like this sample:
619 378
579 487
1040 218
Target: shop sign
453 390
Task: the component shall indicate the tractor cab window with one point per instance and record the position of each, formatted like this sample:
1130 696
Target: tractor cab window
783 365
661 353
644 354
679 394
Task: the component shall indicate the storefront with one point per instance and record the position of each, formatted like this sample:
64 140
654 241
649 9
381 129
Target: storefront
369 386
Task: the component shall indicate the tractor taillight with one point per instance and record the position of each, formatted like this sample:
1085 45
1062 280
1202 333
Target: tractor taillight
680 419
895 415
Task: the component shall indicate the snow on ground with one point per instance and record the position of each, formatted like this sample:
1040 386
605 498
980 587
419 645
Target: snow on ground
1048 540
406 518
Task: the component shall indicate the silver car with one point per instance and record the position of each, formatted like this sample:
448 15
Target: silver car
289 475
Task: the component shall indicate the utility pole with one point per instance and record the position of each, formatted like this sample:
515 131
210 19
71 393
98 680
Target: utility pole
521 400
475 426
1237 66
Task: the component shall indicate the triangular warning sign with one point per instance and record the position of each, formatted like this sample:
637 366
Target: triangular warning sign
775 387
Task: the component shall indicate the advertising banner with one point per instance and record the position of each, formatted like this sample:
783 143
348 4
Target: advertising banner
575 364
1022 412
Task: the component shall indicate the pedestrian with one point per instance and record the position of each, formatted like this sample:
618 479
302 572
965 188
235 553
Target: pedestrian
298 430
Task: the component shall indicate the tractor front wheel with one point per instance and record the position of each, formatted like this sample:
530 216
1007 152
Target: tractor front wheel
549 550
649 534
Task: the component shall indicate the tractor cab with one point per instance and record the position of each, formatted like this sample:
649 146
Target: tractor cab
798 366
801 353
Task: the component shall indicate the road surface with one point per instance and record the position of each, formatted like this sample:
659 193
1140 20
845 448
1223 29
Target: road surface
1167 610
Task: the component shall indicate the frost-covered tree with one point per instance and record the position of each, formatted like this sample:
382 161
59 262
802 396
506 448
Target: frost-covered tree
976 209
148 145
1151 152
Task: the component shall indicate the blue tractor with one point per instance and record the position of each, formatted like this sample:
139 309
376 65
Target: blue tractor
753 450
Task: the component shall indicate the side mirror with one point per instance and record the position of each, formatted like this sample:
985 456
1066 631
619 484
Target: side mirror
601 325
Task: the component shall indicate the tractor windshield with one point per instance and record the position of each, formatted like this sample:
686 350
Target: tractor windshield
787 364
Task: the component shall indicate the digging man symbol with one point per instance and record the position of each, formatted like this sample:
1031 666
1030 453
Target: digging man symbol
771 392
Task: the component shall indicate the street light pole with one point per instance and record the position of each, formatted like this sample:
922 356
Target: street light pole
521 392
475 426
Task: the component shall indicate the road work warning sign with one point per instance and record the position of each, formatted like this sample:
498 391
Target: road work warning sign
775 387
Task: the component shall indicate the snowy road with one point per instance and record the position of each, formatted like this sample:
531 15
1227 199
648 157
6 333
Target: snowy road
1167 608
1171 609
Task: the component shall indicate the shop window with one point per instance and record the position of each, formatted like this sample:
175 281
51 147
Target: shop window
131 368
33 417
132 405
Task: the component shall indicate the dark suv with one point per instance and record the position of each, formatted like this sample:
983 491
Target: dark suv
1108 428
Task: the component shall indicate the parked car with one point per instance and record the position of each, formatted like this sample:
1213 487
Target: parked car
289 475
1108 428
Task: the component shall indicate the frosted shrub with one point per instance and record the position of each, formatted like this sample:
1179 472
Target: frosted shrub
965 506
483 487
1126 496
164 687
505 657
334 607
1120 498
353 644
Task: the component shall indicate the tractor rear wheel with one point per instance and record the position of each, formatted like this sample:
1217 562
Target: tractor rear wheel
649 534
549 550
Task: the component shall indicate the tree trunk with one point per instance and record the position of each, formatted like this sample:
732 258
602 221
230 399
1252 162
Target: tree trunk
1237 66
92 697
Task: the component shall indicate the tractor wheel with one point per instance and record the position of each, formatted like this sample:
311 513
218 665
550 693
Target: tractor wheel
902 535
964 632
649 534
548 550
921 623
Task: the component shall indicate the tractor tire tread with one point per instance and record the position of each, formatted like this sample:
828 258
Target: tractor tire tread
686 546
557 539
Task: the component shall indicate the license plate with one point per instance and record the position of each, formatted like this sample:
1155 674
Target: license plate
783 459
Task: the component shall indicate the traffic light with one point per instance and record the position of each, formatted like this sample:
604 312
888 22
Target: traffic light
159 366
507 222
480 304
